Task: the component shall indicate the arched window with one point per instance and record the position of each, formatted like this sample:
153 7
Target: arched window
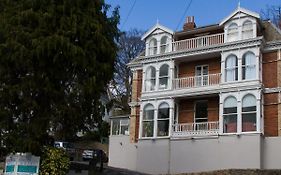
152 47
148 121
164 76
247 30
231 68
249 113
249 66
232 32
163 120
164 44
230 115
150 79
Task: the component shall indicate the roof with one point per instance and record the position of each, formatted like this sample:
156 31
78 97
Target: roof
239 10
155 27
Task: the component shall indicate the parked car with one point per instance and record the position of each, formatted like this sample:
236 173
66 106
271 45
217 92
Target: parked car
67 146
88 154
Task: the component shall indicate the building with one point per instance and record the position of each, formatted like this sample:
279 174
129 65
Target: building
204 98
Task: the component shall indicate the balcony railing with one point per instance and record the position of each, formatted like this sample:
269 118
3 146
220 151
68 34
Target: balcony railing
198 42
197 81
195 129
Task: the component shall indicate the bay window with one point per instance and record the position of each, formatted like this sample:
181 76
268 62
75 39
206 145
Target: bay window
249 113
163 120
248 66
231 68
148 121
230 115
150 79
163 76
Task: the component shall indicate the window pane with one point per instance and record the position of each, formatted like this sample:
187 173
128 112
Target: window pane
164 70
249 101
201 111
163 128
163 113
115 127
249 122
230 123
147 130
229 110
148 115
230 102
163 83
125 130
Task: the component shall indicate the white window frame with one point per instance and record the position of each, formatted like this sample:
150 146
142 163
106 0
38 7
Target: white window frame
247 32
229 114
164 76
164 45
148 80
201 77
232 32
229 69
249 112
247 67
152 46
148 120
163 119
120 126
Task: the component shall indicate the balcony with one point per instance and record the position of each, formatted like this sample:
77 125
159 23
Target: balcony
195 129
197 81
198 42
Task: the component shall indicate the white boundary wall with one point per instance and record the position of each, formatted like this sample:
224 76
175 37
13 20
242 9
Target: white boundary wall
164 156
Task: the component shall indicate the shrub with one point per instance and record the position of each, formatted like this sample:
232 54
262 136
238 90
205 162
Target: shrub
54 162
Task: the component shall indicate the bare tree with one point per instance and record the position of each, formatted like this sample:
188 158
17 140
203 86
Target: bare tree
272 13
130 46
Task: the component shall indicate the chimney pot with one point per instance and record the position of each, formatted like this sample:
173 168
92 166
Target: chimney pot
190 24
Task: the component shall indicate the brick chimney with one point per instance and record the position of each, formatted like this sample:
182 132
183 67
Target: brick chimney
189 24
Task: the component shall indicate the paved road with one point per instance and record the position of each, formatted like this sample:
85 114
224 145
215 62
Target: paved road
106 171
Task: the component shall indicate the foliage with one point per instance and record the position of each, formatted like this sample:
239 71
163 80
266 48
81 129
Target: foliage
273 13
54 162
56 58
130 46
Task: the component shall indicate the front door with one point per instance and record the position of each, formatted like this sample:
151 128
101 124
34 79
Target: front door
201 75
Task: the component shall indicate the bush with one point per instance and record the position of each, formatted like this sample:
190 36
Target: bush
54 162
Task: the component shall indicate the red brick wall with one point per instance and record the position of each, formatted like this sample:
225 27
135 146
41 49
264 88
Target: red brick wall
188 68
139 83
186 109
271 114
269 75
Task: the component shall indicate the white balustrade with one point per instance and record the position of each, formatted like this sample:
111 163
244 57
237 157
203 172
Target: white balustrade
195 129
197 81
197 42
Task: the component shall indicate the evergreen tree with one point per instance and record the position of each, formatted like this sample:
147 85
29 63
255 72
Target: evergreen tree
56 58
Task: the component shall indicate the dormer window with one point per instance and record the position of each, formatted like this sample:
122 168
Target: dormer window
232 32
164 44
152 47
247 30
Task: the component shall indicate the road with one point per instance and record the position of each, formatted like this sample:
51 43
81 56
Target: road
83 170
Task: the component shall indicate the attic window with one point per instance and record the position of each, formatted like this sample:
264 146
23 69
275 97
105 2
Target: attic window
247 30
164 44
232 32
152 47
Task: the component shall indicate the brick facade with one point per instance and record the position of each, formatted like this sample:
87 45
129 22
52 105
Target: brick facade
187 109
188 68
135 110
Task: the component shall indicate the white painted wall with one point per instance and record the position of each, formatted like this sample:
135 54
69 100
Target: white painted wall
153 157
224 152
122 153
165 156
272 153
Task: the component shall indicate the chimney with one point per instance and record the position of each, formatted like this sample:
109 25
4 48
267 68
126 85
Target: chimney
189 24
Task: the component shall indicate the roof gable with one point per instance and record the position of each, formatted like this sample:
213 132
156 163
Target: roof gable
156 27
237 11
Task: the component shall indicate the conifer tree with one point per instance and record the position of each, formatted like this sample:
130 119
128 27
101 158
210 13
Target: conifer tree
56 58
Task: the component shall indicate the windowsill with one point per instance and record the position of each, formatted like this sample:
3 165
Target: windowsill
239 81
120 135
158 90
242 133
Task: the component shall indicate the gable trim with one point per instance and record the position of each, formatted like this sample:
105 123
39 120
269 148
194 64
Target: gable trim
155 27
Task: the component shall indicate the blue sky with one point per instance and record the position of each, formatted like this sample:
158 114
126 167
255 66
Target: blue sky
145 13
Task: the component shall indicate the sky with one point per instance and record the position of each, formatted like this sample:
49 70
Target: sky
143 14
